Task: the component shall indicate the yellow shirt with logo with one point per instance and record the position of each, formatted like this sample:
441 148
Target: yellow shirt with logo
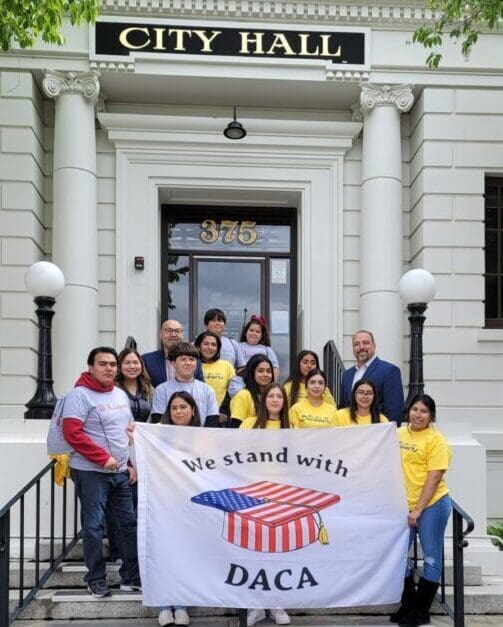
218 375
242 406
303 415
343 419
249 423
327 396
421 452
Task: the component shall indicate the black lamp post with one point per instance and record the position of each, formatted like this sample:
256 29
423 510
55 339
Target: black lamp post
416 288
44 281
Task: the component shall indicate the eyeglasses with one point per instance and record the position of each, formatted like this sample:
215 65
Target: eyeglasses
362 393
175 331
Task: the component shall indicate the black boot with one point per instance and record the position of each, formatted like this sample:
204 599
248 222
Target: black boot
408 600
420 615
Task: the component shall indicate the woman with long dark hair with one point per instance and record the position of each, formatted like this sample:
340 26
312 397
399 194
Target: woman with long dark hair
218 373
272 414
295 385
245 404
272 411
132 377
426 456
363 407
181 411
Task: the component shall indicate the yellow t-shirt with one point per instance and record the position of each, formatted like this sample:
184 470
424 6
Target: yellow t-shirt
249 423
421 452
242 406
327 396
343 419
303 415
218 375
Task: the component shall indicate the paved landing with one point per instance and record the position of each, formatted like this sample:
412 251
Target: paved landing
300 621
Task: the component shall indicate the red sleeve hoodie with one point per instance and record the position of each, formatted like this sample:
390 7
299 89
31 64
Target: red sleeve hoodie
73 428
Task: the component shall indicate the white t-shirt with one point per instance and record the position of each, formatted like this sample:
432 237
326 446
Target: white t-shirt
106 416
204 396
249 350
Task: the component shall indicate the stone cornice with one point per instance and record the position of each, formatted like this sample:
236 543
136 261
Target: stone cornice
308 10
85 84
400 96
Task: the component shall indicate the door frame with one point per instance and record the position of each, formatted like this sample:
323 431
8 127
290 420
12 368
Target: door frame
271 215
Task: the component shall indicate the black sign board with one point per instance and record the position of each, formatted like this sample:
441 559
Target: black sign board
120 38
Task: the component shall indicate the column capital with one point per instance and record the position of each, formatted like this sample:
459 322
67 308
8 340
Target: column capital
85 84
372 96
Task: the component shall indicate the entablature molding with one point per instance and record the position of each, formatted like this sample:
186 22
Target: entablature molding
277 9
286 136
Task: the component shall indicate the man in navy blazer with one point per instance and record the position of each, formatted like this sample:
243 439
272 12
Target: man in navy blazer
385 376
157 362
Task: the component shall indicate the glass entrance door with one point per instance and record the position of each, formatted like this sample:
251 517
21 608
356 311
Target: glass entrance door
238 260
235 285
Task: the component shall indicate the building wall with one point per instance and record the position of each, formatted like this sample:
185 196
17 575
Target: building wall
453 144
24 186
456 138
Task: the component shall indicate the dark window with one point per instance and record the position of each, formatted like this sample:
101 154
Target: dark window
494 252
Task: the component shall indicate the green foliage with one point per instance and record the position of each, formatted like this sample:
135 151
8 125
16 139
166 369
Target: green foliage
461 20
496 530
22 21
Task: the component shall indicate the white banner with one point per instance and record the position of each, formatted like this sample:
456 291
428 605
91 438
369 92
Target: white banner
270 518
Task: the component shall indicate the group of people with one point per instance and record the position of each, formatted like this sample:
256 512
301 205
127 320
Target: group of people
219 382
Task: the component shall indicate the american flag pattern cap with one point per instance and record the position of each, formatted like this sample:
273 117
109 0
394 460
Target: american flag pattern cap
270 517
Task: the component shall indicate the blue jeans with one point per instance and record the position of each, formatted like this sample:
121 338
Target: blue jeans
431 528
94 490
113 535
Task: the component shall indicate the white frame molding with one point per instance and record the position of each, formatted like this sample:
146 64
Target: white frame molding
291 158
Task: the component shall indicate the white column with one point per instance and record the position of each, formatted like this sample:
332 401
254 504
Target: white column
74 226
381 232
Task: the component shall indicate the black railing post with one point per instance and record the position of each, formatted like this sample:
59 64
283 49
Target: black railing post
333 367
52 522
458 544
4 568
21 549
242 618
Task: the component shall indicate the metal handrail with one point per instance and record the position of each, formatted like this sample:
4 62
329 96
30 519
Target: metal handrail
333 366
459 543
27 595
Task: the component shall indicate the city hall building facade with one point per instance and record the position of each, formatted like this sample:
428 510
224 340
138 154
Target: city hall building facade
359 163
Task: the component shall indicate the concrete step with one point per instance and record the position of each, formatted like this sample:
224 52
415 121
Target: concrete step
67 575
70 574
78 604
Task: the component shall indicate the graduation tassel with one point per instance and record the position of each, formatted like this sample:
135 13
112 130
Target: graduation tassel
322 531
322 534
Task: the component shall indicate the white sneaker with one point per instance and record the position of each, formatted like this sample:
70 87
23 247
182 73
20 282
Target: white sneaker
280 617
182 617
165 618
254 616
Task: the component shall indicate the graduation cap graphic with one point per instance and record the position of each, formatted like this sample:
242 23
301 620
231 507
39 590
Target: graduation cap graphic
270 517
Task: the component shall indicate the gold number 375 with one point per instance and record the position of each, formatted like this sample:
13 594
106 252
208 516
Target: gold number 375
230 231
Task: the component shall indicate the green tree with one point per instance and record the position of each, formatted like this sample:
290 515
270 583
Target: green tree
462 20
22 21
